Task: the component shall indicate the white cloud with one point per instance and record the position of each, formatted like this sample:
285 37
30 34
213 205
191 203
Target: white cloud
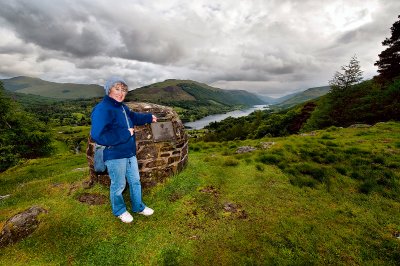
269 47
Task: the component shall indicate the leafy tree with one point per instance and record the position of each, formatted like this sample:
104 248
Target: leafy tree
351 75
389 59
21 134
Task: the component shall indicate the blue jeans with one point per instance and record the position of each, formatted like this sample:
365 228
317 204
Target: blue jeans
118 170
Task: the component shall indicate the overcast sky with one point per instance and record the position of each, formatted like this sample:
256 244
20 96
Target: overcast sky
262 46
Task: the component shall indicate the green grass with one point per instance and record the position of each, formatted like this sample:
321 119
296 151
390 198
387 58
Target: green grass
329 199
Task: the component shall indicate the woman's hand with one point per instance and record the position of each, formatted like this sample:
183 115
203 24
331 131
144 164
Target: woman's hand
154 119
131 130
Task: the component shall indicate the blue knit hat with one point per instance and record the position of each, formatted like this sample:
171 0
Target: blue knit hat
111 82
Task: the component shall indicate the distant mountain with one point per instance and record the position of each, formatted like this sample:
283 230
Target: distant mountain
300 97
267 99
286 97
169 91
174 91
49 89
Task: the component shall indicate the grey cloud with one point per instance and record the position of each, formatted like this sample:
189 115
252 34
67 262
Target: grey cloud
72 31
262 46
149 46
53 28
93 62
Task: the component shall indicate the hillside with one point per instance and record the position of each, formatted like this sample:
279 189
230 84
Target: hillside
173 91
300 97
49 89
193 100
167 92
267 99
330 197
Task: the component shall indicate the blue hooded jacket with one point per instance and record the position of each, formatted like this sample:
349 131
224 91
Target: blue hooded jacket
110 127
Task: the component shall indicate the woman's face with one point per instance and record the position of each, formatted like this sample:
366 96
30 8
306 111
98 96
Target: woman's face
118 92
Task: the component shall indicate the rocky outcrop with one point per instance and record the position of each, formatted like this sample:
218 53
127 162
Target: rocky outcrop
162 147
245 149
267 145
20 226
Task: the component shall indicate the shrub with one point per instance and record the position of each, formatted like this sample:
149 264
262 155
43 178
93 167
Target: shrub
327 136
269 159
315 171
341 170
194 148
355 150
259 167
331 158
248 160
231 162
331 144
379 160
303 181
368 186
332 128
356 162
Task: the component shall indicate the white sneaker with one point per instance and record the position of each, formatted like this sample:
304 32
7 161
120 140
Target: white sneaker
126 217
147 211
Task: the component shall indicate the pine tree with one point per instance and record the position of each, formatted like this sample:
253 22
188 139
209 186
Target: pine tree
389 59
351 75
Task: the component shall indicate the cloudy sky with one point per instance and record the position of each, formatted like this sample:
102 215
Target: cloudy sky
263 46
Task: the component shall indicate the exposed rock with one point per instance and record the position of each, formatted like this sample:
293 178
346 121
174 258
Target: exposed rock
312 133
359 126
245 149
162 147
20 226
267 145
4 196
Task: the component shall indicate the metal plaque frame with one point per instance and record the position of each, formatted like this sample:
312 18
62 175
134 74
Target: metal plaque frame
163 131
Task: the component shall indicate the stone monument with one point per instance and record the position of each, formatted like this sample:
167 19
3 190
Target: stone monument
162 147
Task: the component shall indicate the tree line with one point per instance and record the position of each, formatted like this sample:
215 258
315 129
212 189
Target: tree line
22 135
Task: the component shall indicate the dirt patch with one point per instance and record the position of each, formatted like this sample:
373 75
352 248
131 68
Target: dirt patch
235 209
174 197
92 199
210 190
231 207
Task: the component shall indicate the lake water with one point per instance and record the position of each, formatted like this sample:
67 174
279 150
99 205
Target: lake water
201 123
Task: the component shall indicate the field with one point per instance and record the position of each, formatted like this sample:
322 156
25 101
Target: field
329 197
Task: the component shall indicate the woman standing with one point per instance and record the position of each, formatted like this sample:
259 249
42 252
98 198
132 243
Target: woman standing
113 126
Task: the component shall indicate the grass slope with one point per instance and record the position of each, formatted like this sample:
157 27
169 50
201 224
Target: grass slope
304 96
172 91
258 208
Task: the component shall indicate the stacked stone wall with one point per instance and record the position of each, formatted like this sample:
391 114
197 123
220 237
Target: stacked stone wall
162 147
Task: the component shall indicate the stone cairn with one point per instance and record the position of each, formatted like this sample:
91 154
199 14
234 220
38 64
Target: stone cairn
162 147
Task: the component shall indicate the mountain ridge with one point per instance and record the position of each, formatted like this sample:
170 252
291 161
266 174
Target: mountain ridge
173 92
303 96
36 86
166 91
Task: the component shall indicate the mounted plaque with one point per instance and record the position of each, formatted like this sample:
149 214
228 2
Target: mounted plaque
163 131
